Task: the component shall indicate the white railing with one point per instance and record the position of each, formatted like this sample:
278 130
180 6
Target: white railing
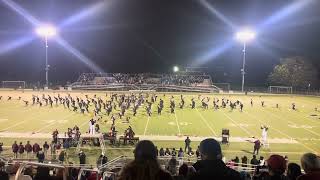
116 163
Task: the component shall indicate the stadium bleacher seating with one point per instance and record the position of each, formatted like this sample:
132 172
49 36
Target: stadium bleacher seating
182 81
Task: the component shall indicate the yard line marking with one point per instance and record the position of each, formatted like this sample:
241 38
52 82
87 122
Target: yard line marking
308 118
269 125
145 129
12 110
299 119
49 124
13 125
30 114
177 123
18 123
288 122
308 102
234 122
81 125
206 122
305 129
293 117
306 112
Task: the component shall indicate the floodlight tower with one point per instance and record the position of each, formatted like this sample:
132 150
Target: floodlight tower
46 31
244 36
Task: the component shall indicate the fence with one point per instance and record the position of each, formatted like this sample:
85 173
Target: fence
107 170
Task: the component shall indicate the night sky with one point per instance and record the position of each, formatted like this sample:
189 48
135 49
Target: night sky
154 35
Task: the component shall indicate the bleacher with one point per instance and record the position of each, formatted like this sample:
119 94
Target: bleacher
182 82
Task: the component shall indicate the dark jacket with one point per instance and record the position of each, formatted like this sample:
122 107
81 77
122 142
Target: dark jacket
314 175
36 148
15 148
28 148
254 161
21 149
40 156
143 170
214 170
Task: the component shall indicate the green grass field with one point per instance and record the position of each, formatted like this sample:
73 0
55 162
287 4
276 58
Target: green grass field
286 125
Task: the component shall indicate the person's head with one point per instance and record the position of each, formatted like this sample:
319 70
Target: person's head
145 150
183 170
28 142
42 171
2 165
210 149
28 171
20 143
293 171
15 142
276 164
244 158
254 157
310 162
144 166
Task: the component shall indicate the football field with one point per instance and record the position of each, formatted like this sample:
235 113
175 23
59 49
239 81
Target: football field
290 130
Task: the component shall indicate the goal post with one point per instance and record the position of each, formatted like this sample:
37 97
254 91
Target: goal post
280 89
14 84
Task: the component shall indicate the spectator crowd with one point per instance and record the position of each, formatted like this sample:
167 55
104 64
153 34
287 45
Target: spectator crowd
180 79
146 166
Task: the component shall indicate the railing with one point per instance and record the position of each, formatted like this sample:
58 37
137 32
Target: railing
116 164
119 162
24 164
80 174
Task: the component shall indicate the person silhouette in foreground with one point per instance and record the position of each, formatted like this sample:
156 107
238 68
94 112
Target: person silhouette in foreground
211 165
145 165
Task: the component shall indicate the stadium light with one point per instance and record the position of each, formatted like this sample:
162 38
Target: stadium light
47 31
175 68
246 35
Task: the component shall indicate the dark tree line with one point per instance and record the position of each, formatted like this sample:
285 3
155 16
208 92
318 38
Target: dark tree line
295 71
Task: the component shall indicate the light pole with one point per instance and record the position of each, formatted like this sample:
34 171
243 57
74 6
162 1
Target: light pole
46 31
244 36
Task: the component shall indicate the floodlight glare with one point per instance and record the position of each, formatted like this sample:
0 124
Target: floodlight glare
46 30
245 35
175 69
